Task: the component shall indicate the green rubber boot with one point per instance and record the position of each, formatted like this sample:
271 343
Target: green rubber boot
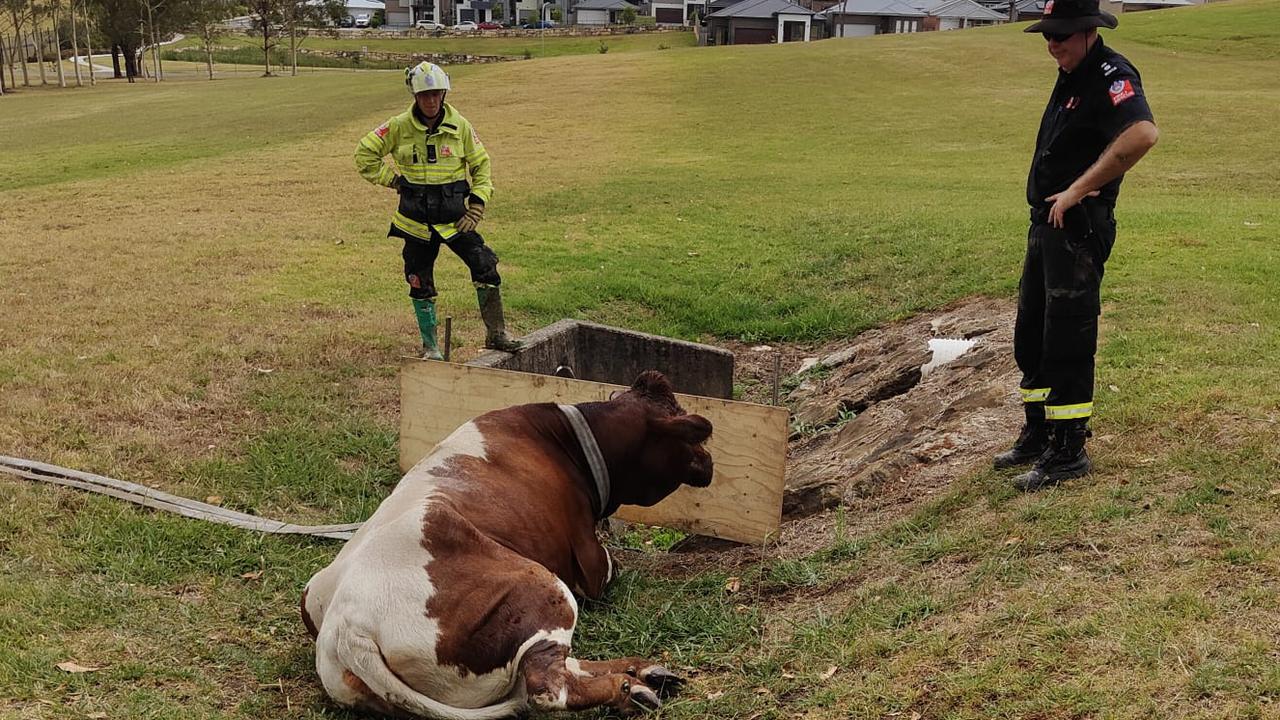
495 336
425 311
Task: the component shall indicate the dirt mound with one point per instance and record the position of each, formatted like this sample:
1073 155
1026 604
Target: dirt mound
872 430
872 423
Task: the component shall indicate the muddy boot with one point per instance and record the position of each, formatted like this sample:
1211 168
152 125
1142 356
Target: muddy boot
1031 442
425 311
1065 459
495 337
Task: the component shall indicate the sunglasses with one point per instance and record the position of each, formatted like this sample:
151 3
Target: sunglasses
1057 37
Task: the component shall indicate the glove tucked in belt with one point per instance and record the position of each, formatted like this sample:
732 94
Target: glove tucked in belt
475 213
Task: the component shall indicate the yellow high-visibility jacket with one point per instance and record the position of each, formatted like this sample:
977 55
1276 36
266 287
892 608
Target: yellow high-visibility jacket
457 151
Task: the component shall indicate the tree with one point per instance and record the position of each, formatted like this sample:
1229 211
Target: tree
628 15
75 41
267 19
118 21
54 7
18 14
298 17
204 20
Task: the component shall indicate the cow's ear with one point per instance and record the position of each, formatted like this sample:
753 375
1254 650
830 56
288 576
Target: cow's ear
692 429
654 384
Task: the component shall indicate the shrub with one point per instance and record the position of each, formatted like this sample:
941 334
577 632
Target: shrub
604 48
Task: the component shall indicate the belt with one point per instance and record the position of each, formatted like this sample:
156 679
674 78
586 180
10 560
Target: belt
1040 213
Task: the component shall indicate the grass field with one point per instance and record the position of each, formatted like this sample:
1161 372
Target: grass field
532 45
195 294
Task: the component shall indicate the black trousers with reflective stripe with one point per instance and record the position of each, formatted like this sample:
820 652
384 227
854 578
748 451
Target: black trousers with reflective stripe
420 260
1056 333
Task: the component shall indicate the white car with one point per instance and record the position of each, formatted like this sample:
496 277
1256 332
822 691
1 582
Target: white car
428 25
466 26
362 20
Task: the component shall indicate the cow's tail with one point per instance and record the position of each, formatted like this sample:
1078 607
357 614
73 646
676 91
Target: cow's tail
359 656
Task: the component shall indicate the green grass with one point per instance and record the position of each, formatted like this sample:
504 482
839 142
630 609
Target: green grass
195 294
531 45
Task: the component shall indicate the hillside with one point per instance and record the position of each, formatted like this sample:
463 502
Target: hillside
196 295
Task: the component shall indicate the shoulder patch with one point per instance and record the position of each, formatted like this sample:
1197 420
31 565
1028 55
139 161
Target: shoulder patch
382 130
1120 91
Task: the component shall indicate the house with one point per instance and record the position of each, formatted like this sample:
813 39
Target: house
854 18
366 7
406 13
1139 5
675 12
759 21
955 14
602 12
1024 9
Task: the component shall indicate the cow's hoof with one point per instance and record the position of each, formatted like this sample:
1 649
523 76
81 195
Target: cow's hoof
661 679
644 697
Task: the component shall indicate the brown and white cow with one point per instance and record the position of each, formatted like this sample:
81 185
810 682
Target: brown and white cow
456 598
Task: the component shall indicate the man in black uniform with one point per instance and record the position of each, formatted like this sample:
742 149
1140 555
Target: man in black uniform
1096 126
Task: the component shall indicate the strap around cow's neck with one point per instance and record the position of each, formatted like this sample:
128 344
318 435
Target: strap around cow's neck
595 460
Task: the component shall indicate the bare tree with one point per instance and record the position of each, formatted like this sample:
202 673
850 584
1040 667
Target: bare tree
266 22
38 35
205 19
75 42
158 73
54 7
299 16
88 44
19 15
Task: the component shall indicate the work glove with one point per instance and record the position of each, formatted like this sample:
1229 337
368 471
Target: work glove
475 213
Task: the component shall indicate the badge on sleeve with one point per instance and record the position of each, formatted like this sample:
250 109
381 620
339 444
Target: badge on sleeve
1120 91
382 130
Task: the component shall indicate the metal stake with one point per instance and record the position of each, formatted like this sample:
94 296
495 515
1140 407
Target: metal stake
448 336
777 373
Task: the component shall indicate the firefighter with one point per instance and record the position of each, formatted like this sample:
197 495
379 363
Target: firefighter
1096 127
440 170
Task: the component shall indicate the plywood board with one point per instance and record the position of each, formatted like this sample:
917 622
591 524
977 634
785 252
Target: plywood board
748 445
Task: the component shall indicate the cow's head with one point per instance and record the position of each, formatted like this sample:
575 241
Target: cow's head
661 445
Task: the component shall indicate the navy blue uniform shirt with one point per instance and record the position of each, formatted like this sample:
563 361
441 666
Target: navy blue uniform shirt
1088 109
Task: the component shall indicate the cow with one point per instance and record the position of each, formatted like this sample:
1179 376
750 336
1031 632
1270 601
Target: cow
456 599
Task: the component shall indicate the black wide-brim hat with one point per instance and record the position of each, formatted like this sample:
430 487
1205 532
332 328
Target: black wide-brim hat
1063 17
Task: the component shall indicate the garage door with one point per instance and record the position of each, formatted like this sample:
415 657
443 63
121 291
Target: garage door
752 36
670 16
856 30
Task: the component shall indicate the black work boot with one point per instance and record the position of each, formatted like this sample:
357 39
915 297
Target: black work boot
1065 458
495 336
1031 442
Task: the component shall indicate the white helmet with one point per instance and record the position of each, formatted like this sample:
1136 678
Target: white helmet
425 76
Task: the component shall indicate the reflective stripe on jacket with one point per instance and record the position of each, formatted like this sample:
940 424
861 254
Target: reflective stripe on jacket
452 153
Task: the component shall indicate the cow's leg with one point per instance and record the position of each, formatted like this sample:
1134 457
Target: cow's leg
657 677
554 681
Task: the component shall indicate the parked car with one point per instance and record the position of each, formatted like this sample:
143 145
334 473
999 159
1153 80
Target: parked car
466 26
428 25
538 25
347 21
488 25
362 20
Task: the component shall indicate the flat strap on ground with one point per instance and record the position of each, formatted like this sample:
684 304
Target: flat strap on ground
157 500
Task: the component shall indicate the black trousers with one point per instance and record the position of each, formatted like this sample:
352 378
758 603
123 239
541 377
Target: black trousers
1056 334
420 260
